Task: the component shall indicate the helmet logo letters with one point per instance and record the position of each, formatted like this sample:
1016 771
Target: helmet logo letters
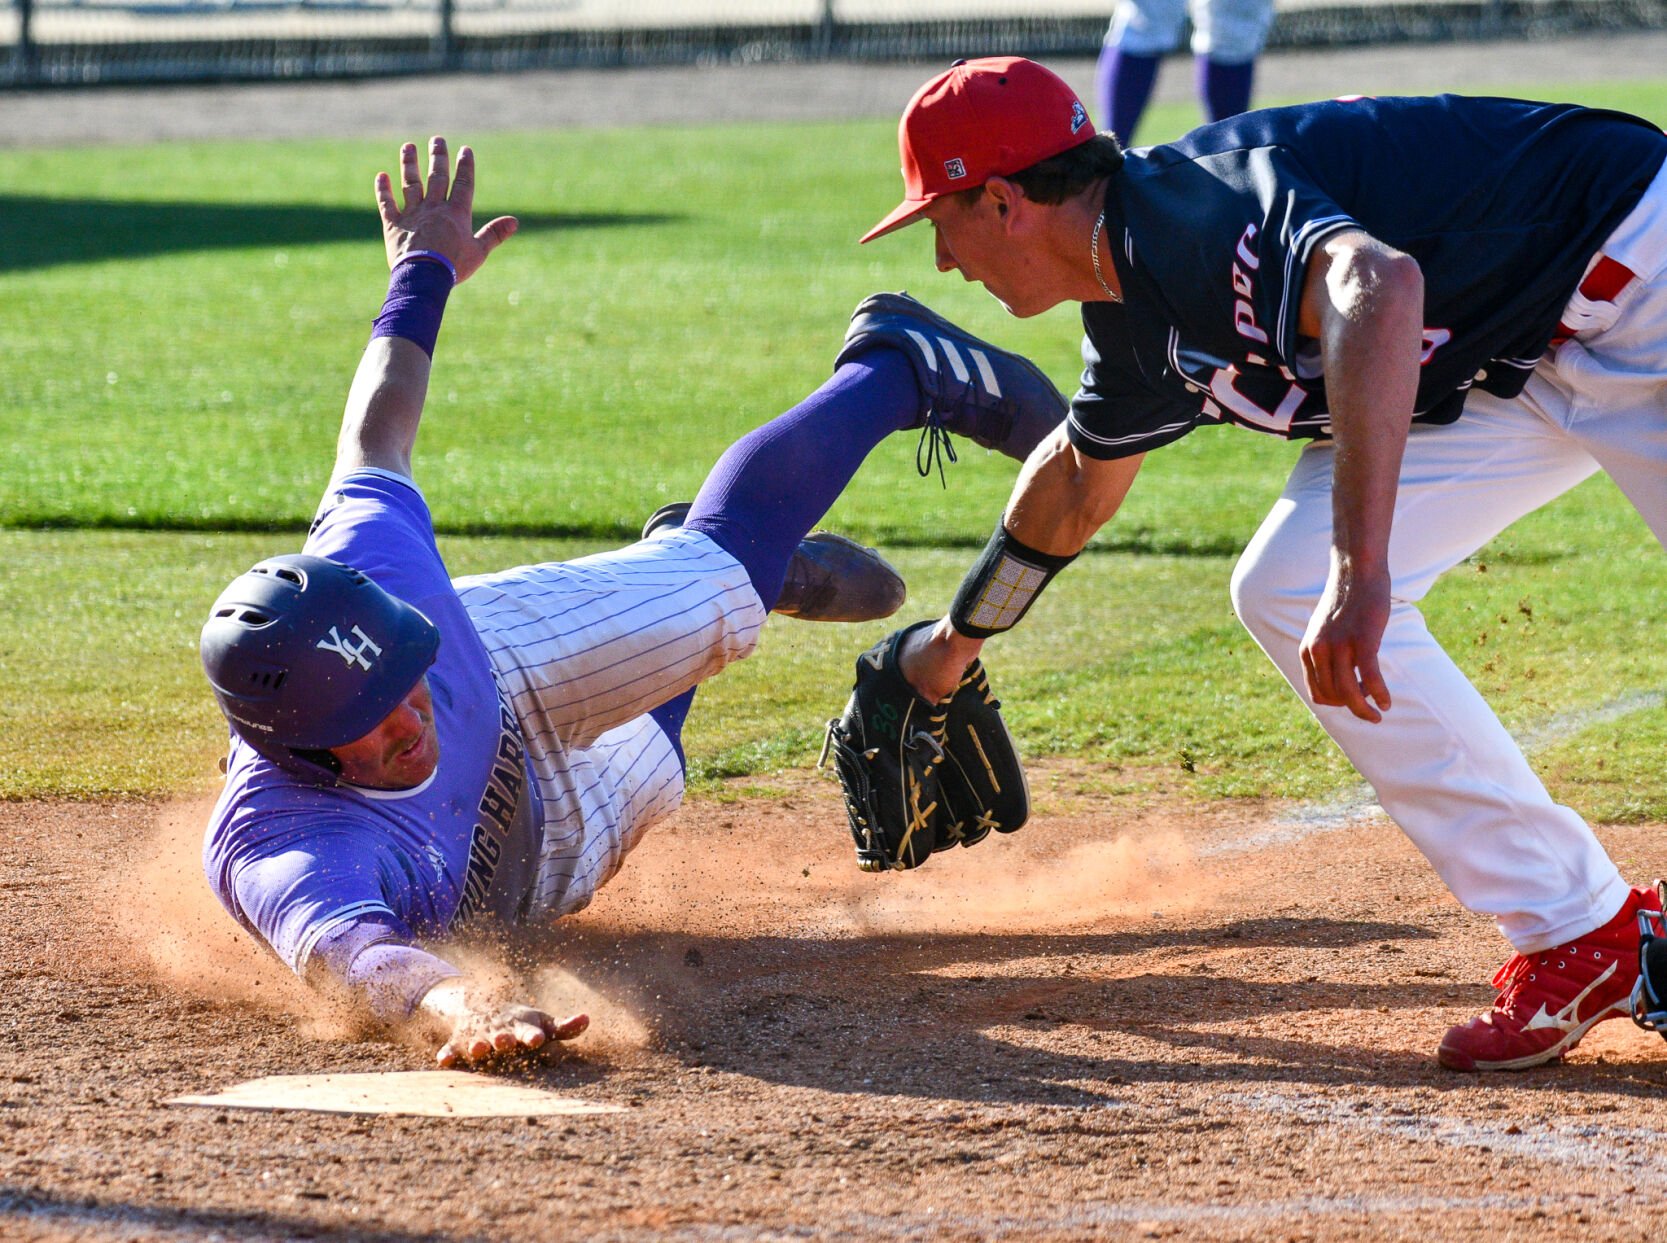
353 655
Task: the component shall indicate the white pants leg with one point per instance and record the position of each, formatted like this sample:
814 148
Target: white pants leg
1230 32
1147 27
1612 390
1441 763
1443 766
585 648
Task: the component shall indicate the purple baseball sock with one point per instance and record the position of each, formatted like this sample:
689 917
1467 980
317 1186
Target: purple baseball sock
670 716
1224 90
1123 84
774 484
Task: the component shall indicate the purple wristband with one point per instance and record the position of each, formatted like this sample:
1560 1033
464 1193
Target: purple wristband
417 291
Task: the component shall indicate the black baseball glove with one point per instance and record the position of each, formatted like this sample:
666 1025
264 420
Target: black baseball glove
1649 994
920 777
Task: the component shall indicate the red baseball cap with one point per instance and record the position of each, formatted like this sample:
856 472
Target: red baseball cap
981 119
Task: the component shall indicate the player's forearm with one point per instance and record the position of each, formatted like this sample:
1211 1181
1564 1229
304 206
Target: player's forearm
1063 497
1371 342
1060 500
384 407
385 404
381 972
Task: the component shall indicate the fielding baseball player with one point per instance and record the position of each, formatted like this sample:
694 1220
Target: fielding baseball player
413 756
1460 303
1227 37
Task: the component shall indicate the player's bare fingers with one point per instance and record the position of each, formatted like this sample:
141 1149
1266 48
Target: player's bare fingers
1350 692
569 1028
1317 673
439 168
494 233
503 1040
1309 675
410 181
385 209
528 1035
463 179
1371 681
447 1056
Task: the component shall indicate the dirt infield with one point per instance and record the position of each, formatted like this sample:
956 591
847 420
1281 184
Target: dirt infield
1124 1023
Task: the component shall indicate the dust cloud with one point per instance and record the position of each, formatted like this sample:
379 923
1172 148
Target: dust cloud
176 932
748 871
1128 877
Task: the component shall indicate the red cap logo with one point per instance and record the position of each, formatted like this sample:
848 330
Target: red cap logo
981 119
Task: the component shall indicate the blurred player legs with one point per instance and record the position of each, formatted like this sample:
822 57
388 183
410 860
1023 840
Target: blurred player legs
1227 37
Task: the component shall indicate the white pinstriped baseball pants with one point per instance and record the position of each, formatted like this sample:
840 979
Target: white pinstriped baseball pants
1443 766
585 648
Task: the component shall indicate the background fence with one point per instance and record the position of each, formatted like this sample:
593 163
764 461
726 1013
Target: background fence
71 42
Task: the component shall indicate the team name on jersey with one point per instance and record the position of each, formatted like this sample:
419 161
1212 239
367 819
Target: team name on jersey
494 818
1245 265
1255 390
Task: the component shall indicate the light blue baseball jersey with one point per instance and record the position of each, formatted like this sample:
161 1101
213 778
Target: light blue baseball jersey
343 882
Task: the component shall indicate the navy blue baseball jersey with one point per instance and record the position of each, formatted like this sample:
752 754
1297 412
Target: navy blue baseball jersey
1502 202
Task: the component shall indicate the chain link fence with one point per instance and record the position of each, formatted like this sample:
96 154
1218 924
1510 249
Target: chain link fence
71 42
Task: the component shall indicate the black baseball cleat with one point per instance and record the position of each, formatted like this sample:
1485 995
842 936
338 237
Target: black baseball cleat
829 579
972 388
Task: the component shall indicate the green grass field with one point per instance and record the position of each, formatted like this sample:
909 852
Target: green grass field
184 321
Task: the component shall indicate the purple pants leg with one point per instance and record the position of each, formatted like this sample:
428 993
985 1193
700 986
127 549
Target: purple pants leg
1123 83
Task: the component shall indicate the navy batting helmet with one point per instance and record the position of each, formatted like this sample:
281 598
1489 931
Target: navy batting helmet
305 654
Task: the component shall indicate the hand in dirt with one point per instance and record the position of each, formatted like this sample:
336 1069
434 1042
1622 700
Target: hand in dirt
482 1028
437 214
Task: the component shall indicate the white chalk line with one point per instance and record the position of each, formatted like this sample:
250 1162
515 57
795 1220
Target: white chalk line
922 1224
1360 804
1584 1144
1089 1217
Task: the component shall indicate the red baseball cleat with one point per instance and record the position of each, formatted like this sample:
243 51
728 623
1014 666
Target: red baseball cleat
1549 1000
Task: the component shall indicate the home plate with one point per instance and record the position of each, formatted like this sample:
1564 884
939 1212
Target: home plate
414 1093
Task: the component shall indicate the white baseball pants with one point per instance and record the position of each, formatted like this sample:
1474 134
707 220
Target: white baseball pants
1228 31
585 648
1443 766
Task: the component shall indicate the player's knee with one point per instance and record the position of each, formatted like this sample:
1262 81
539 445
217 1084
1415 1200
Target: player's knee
1264 599
1230 43
1147 28
1232 32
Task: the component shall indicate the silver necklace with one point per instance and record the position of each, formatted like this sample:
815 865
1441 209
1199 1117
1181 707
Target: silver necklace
1094 254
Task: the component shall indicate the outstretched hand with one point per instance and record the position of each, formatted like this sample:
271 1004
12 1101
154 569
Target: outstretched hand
437 214
479 1025
504 1030
1340 650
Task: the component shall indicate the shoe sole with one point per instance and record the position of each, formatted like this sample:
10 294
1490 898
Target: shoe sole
882 603
1459 1061
666 516
905 305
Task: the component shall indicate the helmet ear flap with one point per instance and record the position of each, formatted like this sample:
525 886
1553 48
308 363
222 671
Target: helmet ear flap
317 767
305 654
